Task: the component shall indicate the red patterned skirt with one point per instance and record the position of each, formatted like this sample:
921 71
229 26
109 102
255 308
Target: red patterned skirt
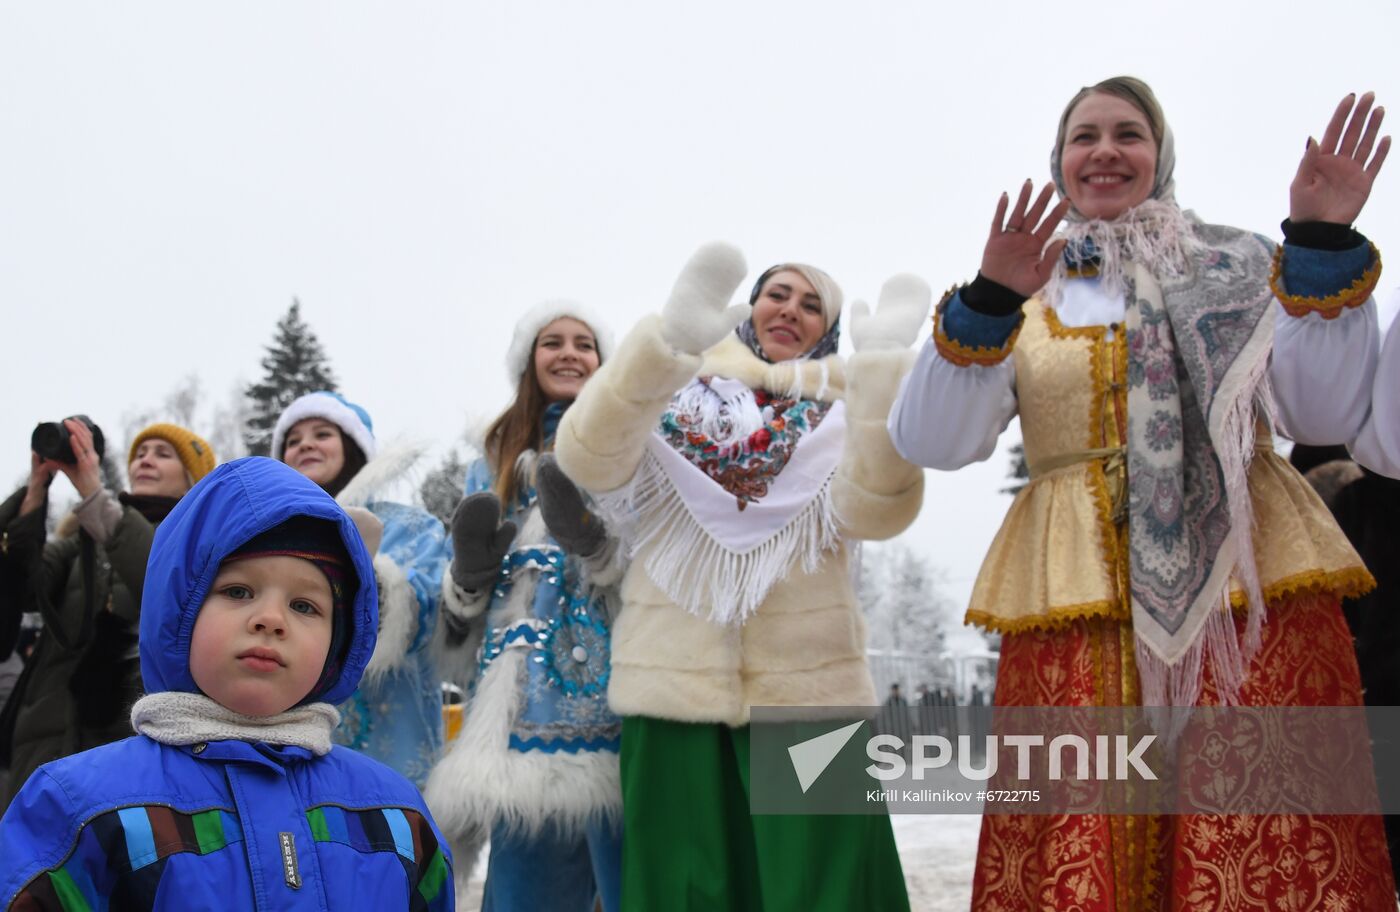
1200 863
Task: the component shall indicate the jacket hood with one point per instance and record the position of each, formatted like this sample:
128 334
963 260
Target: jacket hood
236 502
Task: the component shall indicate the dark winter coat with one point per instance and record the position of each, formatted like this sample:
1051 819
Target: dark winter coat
78 687
1368 510
225 824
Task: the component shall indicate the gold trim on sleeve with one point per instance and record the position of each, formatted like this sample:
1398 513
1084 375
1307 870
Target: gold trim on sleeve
967 355
1331 306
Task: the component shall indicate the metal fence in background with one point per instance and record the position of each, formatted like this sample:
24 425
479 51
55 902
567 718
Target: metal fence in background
948 677
935 693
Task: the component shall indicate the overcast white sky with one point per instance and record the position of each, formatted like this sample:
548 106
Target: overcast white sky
171 174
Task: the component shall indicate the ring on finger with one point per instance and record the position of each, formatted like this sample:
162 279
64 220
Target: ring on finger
1011 230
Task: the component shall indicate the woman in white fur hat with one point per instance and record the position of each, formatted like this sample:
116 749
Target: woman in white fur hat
526 625
745 456
396 715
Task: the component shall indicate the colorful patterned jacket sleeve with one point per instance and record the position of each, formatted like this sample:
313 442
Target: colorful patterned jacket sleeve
37 835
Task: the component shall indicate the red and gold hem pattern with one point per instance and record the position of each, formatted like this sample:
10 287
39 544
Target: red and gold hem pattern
967 355
1331 306
1346 583
1201 863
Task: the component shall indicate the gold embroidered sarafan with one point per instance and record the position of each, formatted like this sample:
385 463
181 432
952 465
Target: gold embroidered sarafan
1061 551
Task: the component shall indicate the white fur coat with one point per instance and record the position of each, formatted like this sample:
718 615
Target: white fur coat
805 645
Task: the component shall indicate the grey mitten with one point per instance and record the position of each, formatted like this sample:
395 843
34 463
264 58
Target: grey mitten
479 541
577 530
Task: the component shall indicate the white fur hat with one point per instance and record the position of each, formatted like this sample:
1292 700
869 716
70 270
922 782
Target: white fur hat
522 344
354 422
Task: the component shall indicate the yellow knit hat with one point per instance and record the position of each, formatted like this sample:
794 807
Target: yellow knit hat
194 451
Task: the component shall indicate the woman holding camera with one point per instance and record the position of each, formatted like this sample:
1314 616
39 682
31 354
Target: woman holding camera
86 585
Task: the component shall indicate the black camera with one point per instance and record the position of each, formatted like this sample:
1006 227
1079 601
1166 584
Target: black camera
51 440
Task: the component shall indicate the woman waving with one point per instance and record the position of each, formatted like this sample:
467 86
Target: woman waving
1162 554
744 457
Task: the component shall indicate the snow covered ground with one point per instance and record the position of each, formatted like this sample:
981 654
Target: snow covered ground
937 852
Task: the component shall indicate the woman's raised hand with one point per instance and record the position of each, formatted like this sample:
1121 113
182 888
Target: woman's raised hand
1016 254
575 527
697 314
904 303
480 539
37 490
1334 178
86 471
40 472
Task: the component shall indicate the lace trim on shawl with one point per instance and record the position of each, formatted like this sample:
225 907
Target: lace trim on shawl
1157 235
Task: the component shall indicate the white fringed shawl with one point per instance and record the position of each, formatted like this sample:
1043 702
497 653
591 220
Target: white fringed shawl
713 551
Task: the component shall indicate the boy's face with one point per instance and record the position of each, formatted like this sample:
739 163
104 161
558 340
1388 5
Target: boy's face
261 638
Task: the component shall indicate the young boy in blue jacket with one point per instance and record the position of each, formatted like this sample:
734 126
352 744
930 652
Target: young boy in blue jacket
258 615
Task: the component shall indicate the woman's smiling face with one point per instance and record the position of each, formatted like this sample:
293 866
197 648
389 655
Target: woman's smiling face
315 448
566 355
788 316
1109 159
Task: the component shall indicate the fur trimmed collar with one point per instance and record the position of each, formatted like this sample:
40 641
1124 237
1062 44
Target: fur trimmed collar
394 462
823 379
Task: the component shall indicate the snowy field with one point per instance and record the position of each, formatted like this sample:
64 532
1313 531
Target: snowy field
937 852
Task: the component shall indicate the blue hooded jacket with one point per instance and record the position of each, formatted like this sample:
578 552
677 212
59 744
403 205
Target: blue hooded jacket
225 825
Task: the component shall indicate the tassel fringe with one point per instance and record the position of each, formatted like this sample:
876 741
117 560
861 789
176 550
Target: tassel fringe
1171 691
727 422
1155 234
697 572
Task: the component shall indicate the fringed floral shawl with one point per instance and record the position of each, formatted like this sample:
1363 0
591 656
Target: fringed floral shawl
1199 336
735 484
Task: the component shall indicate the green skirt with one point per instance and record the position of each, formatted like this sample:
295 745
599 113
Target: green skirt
689 842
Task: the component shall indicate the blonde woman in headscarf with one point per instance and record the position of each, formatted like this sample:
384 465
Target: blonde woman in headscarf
1145 352
742 456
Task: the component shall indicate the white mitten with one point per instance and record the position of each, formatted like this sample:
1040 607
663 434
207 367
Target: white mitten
904 303
696 316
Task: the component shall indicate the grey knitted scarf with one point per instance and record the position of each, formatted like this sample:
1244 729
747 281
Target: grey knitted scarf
185 718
